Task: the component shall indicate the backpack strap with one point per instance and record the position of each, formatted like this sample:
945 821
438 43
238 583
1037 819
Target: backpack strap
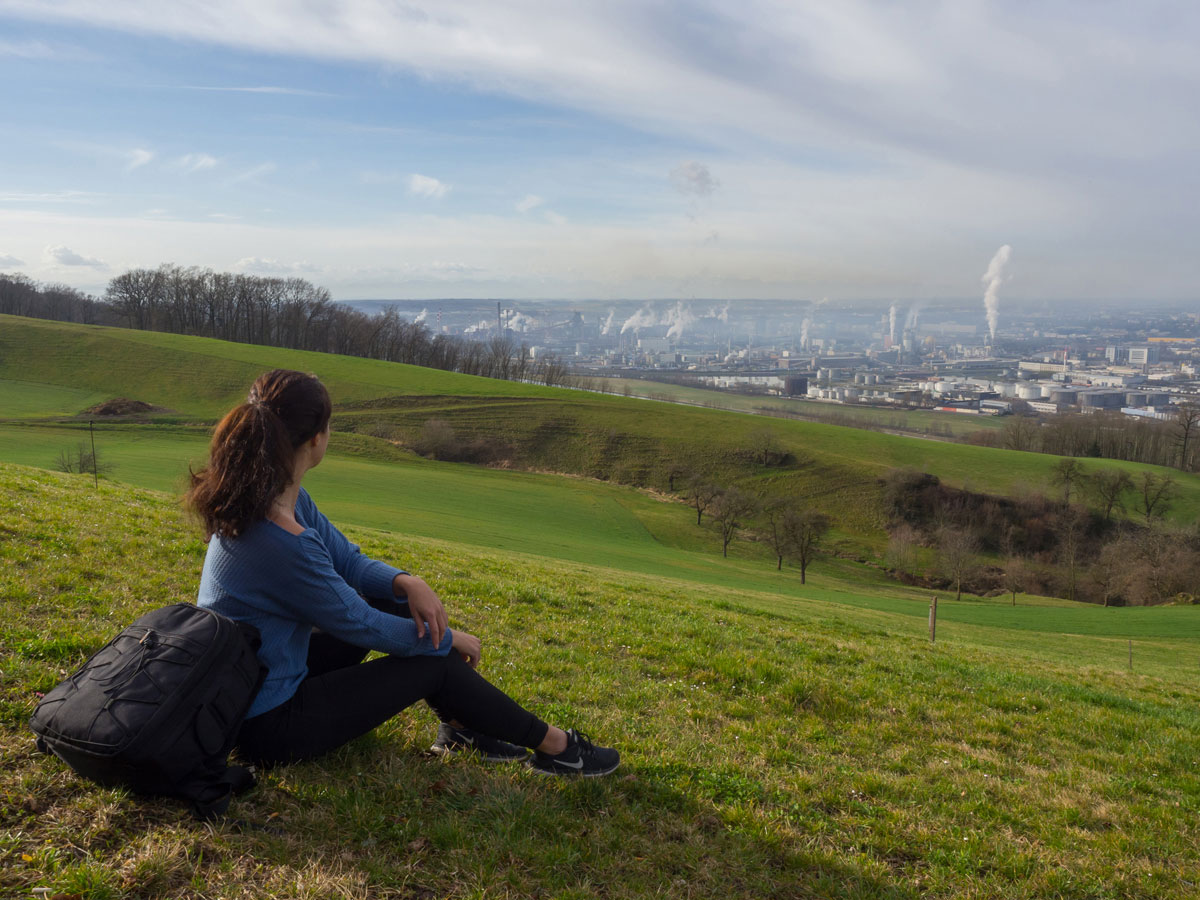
213 798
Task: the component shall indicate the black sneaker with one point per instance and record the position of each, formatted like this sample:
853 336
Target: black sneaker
452 740
581 757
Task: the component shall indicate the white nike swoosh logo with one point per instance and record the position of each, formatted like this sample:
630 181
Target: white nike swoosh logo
578 764
467 740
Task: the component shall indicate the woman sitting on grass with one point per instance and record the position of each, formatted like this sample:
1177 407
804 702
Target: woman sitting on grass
275 562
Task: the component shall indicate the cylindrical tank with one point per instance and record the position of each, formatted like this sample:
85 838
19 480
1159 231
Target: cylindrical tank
1029 391
943 386
1065 396
1047 390
1135 398
1157 399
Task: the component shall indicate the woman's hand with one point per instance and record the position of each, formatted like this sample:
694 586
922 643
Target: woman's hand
467 646
424 605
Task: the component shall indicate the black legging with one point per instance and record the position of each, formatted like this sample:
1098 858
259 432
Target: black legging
343 697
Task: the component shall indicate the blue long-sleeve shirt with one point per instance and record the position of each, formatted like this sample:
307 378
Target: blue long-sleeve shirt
284 584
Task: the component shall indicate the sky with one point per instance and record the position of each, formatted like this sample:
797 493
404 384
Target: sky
768 149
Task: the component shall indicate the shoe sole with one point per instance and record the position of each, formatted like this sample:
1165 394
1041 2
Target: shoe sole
572 773
471 751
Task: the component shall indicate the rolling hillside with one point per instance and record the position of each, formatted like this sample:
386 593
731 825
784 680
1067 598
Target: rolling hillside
802 748
53 370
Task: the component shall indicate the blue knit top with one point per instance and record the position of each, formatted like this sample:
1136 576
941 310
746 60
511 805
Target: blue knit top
284 584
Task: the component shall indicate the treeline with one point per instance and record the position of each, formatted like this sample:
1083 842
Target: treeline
1053 546
278 312
1105 435
22 296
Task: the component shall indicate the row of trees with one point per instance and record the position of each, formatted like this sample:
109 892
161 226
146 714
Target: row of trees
1108 434
791 530
1052 546
22 296
278 312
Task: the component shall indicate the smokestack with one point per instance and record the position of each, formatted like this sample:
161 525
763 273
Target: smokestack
993 278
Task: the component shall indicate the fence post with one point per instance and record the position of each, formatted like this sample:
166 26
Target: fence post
1131 656
95 465
933 619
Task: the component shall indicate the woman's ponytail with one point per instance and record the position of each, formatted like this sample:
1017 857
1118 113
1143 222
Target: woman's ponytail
253 451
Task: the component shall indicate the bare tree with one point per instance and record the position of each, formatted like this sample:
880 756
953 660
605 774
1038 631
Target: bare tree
700 494
81 461
1067 473
1074 523
730 508
765 446
1109 487
1016 576
902 547
1111 569
956 556
1020 433
1187 421
804 530
1155 494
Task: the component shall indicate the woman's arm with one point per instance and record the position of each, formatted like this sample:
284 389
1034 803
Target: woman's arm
368 576
424 604
319 595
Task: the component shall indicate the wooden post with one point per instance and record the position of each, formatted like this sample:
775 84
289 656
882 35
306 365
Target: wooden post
933 619
95 469
1131 656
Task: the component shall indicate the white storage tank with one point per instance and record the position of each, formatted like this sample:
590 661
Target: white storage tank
1047 390
1029 391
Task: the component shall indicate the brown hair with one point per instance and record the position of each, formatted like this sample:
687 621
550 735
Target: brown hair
253 449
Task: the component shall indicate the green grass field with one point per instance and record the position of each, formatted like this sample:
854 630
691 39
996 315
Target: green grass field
803 746
578 432
779 739
915 420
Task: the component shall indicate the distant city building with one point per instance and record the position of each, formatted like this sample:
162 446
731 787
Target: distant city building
1143 356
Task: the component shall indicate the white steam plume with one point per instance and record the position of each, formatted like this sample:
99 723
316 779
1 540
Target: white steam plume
914 313
679 318
421 317
521 322
994 277
643 318
892 321
608 323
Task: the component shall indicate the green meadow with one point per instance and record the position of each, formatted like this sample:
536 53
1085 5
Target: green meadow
811 744
778 739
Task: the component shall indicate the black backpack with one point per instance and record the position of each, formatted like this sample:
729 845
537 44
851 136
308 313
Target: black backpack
158 708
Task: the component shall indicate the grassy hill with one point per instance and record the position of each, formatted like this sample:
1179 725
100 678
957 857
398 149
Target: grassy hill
52 370
809 746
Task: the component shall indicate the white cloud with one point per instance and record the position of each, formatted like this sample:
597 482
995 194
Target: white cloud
693 178
137 158
259 266
262 89
52 197
555 218
7 260
425 186
528 202
252 174
59 255
195 162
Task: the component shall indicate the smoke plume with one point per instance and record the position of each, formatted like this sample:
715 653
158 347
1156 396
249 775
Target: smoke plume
892 321
679 318
421 317
914 313
993 278
643 318
608 323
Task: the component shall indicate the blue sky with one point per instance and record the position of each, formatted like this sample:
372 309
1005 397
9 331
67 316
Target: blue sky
794 150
